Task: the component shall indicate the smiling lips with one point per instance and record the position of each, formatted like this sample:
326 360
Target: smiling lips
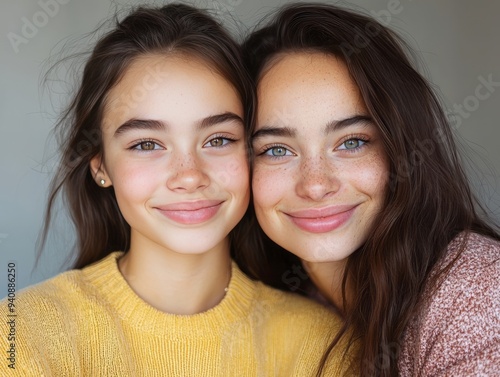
191 212
321 220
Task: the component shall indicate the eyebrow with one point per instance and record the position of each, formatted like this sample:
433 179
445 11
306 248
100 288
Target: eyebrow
140 124
156 125
220 118
336 125
274 131
332 126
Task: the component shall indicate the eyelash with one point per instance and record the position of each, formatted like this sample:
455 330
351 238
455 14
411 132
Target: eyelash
360 138
269 147
357 137
229 140
142 141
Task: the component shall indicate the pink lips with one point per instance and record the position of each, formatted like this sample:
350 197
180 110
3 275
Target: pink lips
321 220
195 212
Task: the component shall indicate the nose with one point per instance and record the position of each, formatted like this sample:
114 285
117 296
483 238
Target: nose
317 179
187 174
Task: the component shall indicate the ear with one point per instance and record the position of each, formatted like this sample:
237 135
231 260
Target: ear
99 172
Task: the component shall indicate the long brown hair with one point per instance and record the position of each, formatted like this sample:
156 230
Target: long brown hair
428 201
172 29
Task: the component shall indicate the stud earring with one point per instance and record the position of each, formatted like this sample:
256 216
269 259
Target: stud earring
103 182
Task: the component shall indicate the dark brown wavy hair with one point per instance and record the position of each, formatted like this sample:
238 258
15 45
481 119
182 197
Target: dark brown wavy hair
428 202
168 30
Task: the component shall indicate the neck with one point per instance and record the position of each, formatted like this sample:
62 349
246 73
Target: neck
177 283
327 277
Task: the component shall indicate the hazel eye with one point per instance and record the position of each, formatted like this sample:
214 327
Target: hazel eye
218 142
146 145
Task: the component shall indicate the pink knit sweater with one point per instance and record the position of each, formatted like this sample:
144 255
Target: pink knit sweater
458 332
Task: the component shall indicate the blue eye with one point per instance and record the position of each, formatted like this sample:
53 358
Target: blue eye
352 144
277 151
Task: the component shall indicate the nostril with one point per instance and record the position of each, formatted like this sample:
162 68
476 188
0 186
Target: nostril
188 179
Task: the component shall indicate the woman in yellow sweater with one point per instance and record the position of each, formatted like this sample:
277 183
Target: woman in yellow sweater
154 171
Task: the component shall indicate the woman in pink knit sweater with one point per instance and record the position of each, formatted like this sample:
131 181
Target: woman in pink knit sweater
356 173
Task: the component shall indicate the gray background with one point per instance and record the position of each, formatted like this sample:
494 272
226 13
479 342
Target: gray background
457 40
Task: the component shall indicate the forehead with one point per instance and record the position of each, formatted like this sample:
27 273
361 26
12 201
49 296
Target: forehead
297 69
154 84
307 84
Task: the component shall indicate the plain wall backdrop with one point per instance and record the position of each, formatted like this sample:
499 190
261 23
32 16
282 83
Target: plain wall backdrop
457 40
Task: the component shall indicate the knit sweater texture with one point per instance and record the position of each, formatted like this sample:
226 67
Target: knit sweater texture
458 331
89 322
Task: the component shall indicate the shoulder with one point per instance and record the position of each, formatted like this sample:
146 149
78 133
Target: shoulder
297 316
458 329
68 288
39 318
473 253
294 307
52 292
57 300
50 319
274 304
470 281
470 266
300 328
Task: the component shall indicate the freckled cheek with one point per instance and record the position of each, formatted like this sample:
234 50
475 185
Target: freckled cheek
270 187
233 173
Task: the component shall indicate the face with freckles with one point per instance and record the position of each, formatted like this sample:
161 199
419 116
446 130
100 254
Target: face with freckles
320 169
174 153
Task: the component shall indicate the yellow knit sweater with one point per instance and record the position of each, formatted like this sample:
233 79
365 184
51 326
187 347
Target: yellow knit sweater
89 322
